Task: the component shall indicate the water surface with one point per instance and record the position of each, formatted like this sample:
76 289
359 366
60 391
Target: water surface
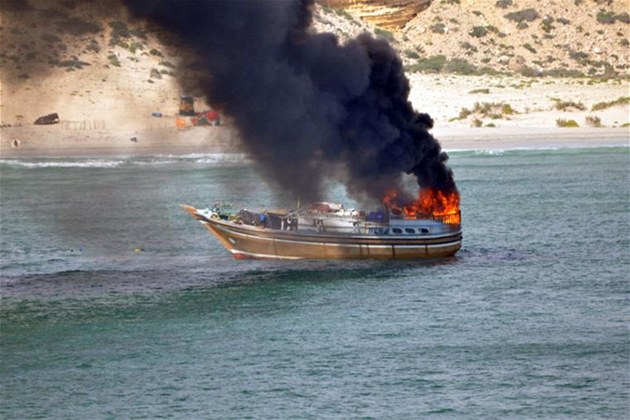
530 319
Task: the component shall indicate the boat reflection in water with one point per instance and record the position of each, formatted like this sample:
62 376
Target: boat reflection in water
328 231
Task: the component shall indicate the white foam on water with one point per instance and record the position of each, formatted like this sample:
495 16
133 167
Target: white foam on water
89 163
213 158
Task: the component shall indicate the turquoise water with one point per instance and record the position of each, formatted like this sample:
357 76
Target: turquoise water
529 320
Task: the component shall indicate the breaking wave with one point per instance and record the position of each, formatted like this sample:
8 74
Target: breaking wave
87 163
489 152
213 158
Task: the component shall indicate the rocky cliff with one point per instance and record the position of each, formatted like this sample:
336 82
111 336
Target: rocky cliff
533 38
388 14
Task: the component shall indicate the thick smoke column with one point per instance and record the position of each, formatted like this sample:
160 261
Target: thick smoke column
307 108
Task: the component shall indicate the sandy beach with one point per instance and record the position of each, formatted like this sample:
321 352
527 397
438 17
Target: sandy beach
39 142
119 125
47 141
530 138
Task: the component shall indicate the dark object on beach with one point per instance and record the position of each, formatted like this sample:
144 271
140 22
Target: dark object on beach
134 139
157 114
187 106
48 119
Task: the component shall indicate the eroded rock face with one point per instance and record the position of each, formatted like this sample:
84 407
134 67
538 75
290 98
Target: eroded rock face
388 14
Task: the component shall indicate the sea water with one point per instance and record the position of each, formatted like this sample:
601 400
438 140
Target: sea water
117 304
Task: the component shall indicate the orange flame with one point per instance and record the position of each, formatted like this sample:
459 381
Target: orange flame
440 206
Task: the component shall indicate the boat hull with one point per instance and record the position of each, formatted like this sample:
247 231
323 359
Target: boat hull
245 241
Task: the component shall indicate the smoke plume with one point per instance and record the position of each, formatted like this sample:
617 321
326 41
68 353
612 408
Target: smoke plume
308 108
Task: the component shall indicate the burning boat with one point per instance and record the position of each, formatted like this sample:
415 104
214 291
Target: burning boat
329 231
310 110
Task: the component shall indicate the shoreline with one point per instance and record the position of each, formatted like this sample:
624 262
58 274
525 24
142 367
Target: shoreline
45 142
512 138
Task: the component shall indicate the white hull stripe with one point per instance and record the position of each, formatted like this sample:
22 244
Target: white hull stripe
254 255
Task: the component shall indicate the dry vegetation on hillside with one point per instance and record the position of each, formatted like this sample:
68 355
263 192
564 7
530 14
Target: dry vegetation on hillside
81 56
88 55
555 38
38 38
573 38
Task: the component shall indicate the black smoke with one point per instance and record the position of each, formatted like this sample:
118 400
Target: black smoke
308 109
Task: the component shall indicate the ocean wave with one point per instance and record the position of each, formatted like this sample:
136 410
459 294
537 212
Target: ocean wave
86 163
555 147
197 158
490 152
225 158
532 151
212 158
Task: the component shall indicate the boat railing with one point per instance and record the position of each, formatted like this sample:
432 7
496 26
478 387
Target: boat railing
449 219
329 215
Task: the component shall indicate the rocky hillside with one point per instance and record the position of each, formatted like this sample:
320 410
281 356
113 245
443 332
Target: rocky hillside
81 56
556 38
559 37
88 52
386 14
